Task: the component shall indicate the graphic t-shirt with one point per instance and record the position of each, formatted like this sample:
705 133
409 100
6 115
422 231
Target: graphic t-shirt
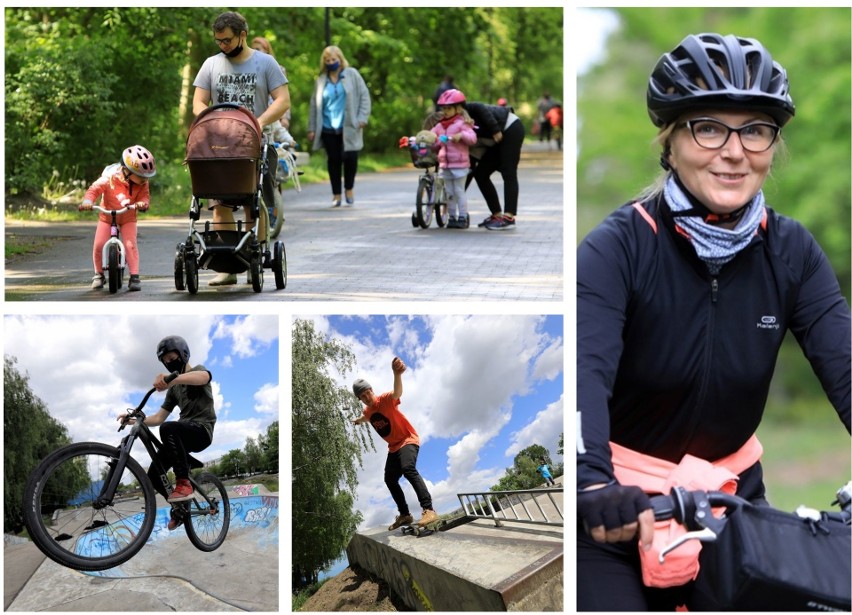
390 423
247 84
195 402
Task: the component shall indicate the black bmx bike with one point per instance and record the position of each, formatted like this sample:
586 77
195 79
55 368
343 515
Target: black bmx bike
90 506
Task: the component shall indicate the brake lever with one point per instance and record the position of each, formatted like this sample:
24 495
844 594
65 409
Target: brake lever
704 535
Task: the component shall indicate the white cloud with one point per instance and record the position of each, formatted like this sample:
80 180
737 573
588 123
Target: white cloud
266 400
544 429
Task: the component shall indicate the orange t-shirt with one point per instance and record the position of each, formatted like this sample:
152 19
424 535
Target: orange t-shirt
390 423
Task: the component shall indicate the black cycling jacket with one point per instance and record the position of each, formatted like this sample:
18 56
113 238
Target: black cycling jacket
672 360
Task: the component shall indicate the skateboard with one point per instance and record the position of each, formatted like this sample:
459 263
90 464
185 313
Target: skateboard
424 530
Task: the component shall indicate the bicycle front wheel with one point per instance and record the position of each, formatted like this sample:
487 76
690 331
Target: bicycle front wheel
424 203
114 268
65 519
208 514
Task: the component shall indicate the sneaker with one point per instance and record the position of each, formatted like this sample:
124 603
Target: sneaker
175 519
335 202
400 521
350 199
183 491
464 222
452 223
98 281
428 517
135 283
224 279
501 223
486 221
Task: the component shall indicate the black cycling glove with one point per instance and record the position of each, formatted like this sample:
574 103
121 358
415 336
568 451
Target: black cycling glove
612 506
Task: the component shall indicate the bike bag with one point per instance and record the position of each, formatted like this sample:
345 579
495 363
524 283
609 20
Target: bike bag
768 560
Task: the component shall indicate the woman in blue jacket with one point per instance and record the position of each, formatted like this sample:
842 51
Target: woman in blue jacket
683 299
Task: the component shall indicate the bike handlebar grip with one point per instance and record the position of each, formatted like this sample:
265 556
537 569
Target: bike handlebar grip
171 376
663 507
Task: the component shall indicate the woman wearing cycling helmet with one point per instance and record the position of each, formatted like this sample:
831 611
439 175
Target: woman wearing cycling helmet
121 184
683 299
193 431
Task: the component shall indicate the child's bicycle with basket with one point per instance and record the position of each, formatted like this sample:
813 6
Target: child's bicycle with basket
758 558
431 194
91 506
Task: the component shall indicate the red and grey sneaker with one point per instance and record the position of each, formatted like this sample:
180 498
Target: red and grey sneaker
487 220
183 491
175 518
501 223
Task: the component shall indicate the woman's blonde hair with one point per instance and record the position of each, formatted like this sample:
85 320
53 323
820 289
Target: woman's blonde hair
335 50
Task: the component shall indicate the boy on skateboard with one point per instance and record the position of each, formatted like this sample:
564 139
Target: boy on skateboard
403 445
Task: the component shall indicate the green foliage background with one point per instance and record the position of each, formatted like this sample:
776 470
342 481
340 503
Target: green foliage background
84 83
807 452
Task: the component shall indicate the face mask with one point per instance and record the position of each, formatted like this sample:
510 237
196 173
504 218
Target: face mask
332 66
175 366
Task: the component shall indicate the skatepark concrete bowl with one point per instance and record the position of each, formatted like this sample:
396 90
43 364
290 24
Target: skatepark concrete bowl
169 573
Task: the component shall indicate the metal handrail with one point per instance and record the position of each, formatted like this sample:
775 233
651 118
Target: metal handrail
479 505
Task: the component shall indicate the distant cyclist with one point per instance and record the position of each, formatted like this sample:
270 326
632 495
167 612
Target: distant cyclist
683 299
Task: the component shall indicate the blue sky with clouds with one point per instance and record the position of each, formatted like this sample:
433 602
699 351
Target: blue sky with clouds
89 369
478 390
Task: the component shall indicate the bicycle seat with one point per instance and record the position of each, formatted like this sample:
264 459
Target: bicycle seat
194 464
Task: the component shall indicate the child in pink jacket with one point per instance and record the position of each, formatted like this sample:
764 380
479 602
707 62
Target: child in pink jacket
455 136
121 184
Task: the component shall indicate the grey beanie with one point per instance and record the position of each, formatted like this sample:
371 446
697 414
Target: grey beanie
360 386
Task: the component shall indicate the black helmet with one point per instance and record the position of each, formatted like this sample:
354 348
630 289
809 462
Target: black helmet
170 343
359 386
711 70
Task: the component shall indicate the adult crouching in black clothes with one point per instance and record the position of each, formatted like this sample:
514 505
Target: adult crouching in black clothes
500 134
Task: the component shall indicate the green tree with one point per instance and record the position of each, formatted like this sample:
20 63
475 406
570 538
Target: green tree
84 83
29 435
269 448
252 455
232 463
522 474
326 449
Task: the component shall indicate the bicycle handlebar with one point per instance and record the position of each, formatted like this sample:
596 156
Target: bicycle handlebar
116 212
137 412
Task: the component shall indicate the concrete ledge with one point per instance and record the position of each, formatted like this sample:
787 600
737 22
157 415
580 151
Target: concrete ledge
474 567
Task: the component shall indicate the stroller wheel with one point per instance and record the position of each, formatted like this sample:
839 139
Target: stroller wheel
180 283
279 265
256 270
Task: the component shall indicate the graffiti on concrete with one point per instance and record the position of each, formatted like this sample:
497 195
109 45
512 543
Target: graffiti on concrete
245 490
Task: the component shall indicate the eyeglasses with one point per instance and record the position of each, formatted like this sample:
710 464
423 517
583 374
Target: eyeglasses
756 137
224 41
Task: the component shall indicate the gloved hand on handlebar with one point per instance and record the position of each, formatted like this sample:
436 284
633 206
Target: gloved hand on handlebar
616 513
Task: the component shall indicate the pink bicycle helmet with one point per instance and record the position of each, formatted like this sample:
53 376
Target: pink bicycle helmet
451 97
139 161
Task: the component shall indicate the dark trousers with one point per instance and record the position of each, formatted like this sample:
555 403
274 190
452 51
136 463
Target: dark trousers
337 158
268 181
179 438
503 157
403 463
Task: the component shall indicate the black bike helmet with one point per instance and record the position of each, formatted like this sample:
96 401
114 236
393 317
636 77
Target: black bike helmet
711 70
170 343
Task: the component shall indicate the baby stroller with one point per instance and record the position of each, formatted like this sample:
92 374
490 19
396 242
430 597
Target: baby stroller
223 153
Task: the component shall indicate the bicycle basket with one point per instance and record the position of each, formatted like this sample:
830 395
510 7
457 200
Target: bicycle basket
768 560
423 156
